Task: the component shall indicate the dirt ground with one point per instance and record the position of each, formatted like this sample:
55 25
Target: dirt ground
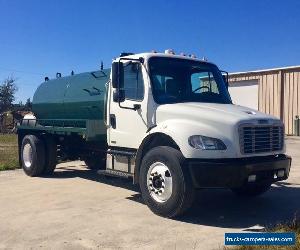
78 209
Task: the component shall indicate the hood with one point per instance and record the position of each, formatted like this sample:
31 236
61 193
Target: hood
222 121
210 112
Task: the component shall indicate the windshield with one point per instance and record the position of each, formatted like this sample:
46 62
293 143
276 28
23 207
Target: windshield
179 80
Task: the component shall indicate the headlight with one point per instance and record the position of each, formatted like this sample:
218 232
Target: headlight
206 143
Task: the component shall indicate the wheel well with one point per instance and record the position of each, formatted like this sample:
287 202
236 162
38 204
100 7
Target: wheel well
151 141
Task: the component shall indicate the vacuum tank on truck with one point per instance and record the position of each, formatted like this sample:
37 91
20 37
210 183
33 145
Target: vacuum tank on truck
166 121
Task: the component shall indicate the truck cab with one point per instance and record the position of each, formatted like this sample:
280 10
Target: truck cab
169 124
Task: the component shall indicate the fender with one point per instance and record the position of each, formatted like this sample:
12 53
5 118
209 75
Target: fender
175 133
152 140
179 130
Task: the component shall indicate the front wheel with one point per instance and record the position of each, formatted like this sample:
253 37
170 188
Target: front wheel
251 190
165 182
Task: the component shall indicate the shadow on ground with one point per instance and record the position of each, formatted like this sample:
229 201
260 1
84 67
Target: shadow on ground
75 172
221 208
217 207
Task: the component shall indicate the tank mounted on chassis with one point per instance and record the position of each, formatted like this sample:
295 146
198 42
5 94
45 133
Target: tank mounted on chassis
166 121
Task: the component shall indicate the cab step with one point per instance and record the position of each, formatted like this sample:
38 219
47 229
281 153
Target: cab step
116 173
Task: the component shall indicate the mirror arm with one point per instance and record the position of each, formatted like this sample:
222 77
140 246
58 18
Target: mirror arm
122 107
227 77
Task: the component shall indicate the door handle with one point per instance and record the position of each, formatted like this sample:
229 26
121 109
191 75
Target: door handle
112 119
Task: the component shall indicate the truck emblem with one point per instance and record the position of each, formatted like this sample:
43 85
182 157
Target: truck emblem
250 112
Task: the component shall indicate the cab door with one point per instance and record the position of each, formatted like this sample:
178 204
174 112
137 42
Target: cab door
126 126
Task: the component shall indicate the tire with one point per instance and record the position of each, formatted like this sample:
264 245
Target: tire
95 162
251 190
173 201
32 155
51 156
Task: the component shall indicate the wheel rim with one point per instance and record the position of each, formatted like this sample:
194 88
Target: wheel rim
159 182
27 155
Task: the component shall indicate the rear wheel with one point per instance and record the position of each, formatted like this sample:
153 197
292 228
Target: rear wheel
165 182
32 155
251 190
51 156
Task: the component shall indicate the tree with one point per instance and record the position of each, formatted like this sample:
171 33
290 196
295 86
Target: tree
28 104
8 90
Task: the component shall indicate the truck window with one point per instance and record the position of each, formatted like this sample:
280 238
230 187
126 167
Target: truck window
204 82
181 80
133 82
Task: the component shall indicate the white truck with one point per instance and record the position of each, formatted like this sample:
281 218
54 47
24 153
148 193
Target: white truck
166 121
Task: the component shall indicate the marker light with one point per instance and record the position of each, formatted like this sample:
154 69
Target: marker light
169 51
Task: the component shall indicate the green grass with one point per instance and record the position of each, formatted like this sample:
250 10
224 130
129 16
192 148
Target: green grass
8 152
8 139
293 226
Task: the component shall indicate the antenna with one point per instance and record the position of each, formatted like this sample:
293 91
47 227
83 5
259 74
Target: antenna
101 67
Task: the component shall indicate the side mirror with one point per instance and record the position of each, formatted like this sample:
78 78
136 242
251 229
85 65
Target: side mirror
119 95
117 78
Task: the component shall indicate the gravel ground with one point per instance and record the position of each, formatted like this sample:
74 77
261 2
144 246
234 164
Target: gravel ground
77 209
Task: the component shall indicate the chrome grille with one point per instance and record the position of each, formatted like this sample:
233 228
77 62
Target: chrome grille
261 139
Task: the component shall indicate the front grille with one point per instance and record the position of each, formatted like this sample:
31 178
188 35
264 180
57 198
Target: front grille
261 139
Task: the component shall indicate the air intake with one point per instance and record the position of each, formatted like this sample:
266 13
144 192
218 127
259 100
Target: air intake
261 139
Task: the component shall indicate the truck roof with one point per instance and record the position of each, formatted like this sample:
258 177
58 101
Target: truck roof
147 55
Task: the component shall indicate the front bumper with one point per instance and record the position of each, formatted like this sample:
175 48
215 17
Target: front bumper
232 173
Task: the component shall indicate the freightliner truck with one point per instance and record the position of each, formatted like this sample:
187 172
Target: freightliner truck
167 121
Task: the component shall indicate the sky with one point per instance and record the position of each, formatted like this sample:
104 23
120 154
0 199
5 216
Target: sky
39 38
